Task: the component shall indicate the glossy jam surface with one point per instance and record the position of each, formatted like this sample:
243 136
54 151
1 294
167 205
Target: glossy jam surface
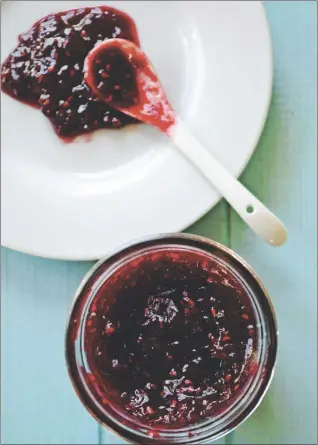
115 78
46 68
170 338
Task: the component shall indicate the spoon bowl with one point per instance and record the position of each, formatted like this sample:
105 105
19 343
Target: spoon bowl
119 73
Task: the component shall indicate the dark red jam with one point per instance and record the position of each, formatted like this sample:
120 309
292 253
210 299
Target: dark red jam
46 68
115 78
170 338
120 73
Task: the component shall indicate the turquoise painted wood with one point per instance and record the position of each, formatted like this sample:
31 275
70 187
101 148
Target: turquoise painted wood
283 173
38 404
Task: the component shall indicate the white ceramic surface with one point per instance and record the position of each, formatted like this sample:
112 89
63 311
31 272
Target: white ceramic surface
79 200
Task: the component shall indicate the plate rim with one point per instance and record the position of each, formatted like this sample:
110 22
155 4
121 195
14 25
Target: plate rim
199 215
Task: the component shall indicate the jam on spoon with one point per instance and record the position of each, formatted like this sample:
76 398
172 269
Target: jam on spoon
169 338
46 68
120 74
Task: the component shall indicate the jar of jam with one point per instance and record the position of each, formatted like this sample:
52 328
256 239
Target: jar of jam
171 340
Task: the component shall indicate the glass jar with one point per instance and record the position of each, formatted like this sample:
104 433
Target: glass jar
248 397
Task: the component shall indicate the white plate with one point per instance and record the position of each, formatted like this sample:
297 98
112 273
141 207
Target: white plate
79 200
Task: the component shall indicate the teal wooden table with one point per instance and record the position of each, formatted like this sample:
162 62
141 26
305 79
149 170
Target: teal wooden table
38 405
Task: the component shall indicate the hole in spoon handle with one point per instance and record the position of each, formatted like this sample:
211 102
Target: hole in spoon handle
261 219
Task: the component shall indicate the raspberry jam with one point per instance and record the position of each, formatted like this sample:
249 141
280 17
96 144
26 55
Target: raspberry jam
121 74
166 336
46 68
171 336
115 78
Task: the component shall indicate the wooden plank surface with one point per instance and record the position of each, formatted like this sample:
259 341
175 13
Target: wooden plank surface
283 173
38 404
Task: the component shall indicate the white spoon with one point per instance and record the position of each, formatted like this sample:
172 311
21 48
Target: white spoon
119 73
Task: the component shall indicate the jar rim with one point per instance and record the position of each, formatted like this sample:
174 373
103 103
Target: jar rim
252 396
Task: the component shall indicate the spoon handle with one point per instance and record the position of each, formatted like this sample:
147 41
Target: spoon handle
250 209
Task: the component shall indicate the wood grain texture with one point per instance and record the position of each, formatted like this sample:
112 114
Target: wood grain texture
38 404
283 173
